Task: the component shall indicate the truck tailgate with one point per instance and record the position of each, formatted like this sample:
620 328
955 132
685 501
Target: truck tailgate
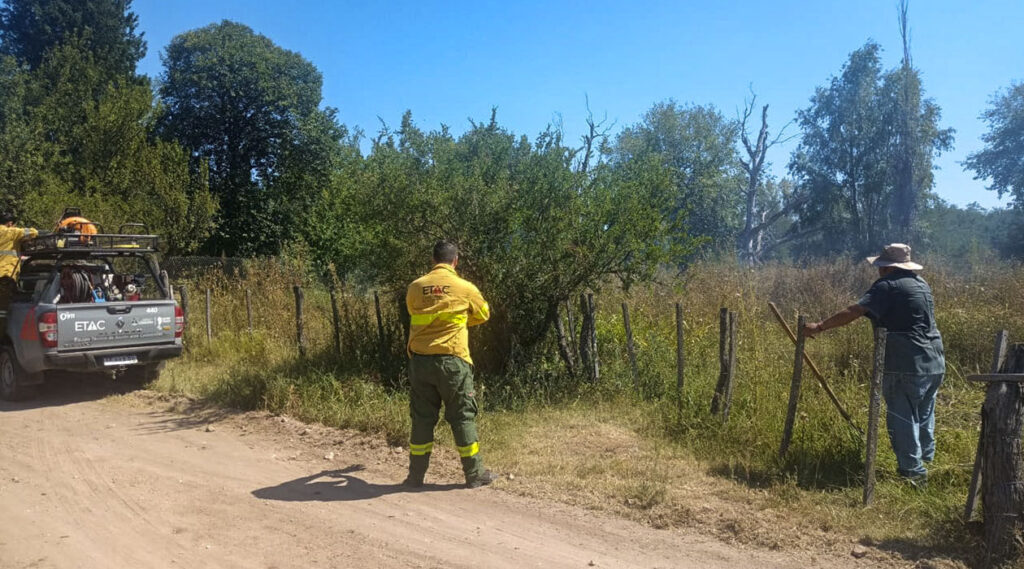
114 324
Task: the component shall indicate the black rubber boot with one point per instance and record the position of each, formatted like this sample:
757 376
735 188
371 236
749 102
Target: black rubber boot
417 470
482 480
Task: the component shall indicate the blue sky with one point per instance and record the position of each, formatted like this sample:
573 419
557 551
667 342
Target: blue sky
538 62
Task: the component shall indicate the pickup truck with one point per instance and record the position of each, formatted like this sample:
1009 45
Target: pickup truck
88 303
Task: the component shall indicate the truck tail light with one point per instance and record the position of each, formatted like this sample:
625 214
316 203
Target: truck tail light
179 321
48 329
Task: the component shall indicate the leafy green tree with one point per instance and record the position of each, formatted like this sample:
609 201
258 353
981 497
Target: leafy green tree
69 148
534 228
850 163
841 161
698 145
106 28
250 109
1000 161
20 146
968 235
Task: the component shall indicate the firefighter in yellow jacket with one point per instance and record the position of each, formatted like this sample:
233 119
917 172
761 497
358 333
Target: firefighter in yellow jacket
10 257
441 308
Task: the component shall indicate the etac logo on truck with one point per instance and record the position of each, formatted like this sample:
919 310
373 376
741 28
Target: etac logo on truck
87 326
84 325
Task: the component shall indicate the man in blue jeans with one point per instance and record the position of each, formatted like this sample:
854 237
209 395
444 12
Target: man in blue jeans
901 302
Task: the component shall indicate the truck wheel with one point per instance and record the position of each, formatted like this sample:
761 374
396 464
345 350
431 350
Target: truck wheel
142 374
11 376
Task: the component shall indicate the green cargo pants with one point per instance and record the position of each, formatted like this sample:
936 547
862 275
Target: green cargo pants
436 380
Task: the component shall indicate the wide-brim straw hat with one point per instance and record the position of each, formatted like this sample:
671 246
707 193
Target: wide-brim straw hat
895 255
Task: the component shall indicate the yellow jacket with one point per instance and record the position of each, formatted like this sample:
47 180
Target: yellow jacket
441 307
10 248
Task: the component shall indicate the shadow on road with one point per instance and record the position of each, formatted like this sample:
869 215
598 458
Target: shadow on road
339 486
182 417
69 388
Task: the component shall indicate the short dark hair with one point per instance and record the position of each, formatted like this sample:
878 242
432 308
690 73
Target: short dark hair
6 217
445 252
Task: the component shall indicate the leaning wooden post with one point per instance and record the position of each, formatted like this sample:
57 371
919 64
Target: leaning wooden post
874 410
300 337
794 387
1002 477
723 360
629 347
209 318
731 378
680 358
248 309
817 373
998 357
336 318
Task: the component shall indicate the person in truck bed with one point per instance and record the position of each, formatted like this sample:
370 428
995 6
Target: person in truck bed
11 237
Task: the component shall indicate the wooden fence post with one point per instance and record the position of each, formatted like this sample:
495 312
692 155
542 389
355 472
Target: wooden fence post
586 329
209 318
592 306
874 410
380 322
794 387
1002 477
248 309
732 367
336 318
629 347
166 280
300 336
998 357
680 358
723 360
572 333
183 291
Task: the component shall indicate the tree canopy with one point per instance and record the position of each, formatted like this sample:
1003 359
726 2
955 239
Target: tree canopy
250 110
105 28
698 146
1000 161
847 160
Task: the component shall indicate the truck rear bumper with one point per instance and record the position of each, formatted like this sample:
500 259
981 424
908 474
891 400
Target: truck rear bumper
94 359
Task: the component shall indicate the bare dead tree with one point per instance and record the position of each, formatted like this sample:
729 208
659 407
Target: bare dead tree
757 218
596 136
905 206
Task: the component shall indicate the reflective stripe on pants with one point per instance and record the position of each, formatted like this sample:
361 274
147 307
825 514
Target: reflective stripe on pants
420 450
469 450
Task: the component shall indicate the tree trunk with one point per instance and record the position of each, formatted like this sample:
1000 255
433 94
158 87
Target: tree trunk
564 348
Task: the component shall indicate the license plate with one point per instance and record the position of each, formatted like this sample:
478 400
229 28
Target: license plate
120 360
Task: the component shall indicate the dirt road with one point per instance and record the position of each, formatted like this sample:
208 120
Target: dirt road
88 480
